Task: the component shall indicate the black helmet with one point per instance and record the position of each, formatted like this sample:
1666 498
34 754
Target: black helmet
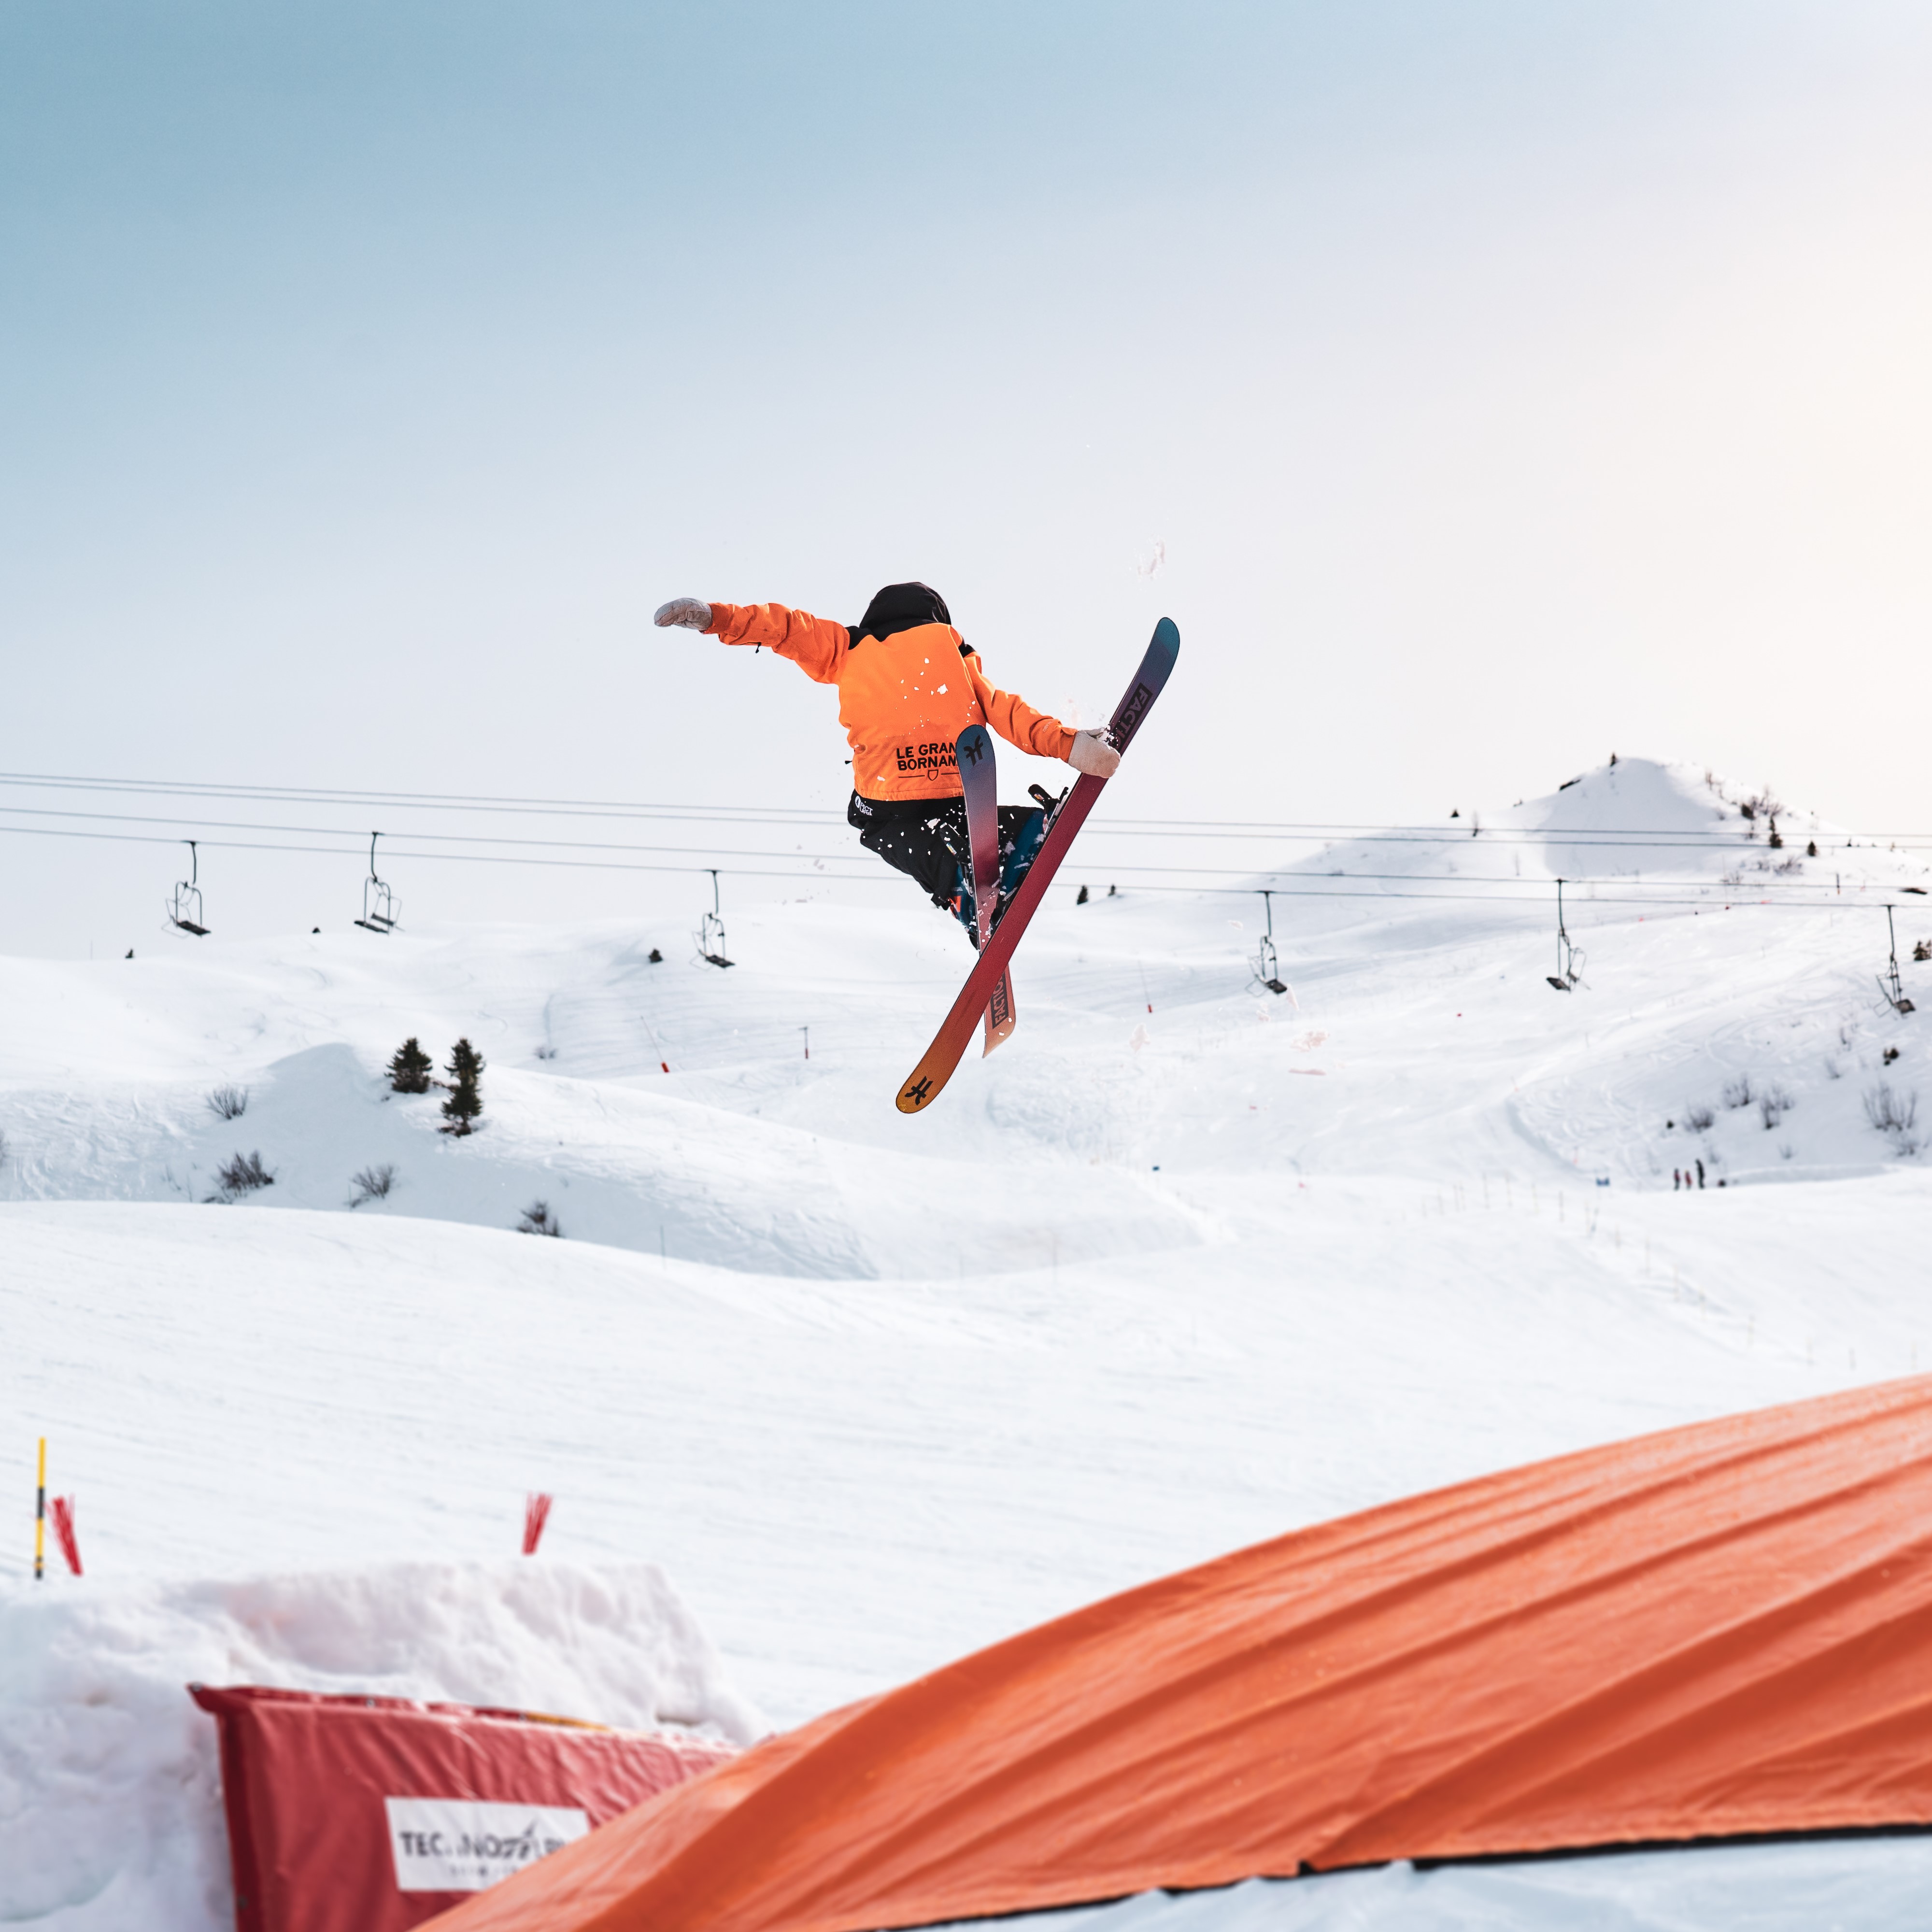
902 606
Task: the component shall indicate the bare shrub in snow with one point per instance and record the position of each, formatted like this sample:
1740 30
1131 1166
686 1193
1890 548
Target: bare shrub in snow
1699 1119
3 1149
1833 1071
1737 1092
1895 1114
1922 951
242 1175
537 1219
1890 1112
228 1103
1773 1104
373 1183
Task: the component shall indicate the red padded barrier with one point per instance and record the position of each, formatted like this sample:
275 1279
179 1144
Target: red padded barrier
372 1814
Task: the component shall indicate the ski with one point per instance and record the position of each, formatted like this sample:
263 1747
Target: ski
974 755
942 1056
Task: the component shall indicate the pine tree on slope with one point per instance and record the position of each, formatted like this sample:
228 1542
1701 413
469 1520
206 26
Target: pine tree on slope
409 1068
466 1100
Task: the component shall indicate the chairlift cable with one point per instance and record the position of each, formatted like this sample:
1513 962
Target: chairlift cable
1765 884
1334 830
1741 897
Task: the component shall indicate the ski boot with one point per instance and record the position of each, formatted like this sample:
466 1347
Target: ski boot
1017 853
961 906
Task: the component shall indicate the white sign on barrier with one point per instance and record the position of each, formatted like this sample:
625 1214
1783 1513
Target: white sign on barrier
456 1844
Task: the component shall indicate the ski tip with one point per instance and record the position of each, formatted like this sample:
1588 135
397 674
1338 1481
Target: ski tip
1167 633
919 1092
974 743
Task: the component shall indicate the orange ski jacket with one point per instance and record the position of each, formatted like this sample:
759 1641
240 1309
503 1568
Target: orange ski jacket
903 700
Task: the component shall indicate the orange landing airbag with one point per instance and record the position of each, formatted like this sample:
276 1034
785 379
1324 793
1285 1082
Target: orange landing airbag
1722 1629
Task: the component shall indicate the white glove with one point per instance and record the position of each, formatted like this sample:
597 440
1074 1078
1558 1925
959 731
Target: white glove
692 613
1093 757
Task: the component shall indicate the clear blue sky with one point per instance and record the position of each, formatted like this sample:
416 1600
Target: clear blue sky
1508 383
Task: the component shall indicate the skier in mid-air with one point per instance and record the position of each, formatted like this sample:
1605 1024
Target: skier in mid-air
908 685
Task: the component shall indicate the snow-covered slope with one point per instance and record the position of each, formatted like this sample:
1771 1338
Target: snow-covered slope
670 1108
1183 1265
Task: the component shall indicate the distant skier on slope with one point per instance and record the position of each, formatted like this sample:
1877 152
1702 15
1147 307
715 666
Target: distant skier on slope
908 685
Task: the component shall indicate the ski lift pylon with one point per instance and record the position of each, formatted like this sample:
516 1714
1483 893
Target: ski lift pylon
184 908
711 934
1569 959
1267 968
1889 985
380 908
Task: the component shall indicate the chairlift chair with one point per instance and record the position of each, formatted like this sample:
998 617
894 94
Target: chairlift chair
1889 985
711 936
1267 968
184 908
1569 959
381 909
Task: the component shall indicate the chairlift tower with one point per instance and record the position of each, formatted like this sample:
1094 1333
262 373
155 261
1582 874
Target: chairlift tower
1889 985
381 909
711 935
184 908
1268 969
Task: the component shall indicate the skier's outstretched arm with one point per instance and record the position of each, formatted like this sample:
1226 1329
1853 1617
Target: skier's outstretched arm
1020 725
816 645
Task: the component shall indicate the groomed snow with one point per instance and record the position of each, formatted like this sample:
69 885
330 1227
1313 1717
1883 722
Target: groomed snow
1144 1286
1865 1885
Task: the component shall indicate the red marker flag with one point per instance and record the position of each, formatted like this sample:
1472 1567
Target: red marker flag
61 1508
536 1513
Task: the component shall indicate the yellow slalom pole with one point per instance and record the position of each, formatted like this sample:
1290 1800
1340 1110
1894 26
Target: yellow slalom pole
41 1517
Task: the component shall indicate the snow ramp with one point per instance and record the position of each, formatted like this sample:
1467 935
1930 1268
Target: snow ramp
1716 1631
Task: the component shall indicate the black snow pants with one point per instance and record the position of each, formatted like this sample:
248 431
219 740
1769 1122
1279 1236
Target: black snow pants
926 838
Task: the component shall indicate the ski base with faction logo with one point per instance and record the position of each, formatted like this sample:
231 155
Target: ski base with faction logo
989 975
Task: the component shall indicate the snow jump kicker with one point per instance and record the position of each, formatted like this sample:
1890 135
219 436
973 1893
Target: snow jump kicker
988 989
